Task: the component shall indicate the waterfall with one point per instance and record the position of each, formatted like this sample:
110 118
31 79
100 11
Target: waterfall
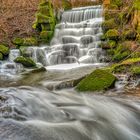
76 40
77 37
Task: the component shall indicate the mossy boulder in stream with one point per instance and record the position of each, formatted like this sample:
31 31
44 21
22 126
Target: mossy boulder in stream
4 50
98 80
27 62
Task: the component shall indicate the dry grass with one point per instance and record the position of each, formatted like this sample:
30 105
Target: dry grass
16 17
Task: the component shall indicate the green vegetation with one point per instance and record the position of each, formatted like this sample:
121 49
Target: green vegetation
98 80
109 24
129 34
45 21
1 56
26 62
4 50
66 5
135 70
112 34
30 41
18 41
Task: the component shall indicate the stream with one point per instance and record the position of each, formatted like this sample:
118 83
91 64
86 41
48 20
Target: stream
44 105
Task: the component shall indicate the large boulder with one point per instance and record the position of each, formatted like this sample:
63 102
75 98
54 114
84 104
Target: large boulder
98 80
26 62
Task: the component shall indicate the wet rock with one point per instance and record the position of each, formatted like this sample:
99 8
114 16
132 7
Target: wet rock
87 39
98 80
4 50
27 62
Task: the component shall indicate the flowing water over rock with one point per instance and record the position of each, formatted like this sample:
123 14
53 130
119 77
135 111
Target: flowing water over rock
35 113
77 37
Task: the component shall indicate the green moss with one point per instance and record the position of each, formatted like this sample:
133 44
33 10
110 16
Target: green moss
135 70
120 69
113 6
30 41
18 41
129 34
66 5
108 45
41 18
46 36
121 52
4 50
135 55
109 24
45 21
112 34
96 81
131 61
44 10
110 15
121 56
1 56
137 4
118 3
27 62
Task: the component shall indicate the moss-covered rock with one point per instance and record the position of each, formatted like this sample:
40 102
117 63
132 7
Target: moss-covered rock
129 34
41 18
30 41
27 62
98 80
121 52
108 45
45 21
18 41
112 34
4 50
109 24
1 56
46 36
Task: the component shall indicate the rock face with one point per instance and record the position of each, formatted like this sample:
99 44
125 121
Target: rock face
98 80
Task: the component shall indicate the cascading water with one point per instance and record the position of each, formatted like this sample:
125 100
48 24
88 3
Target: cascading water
77 37
76 40
35 113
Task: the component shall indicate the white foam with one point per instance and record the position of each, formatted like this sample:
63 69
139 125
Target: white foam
62 67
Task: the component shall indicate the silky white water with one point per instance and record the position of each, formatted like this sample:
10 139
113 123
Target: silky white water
29 111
